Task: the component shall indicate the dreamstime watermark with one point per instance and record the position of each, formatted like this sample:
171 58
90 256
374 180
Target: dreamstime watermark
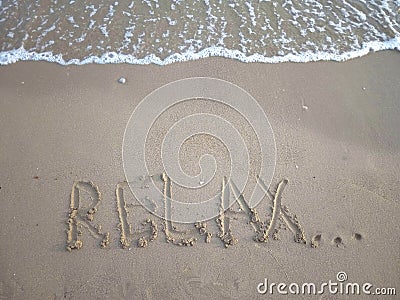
338 287
150 110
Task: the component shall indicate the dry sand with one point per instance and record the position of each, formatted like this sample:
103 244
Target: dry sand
338 142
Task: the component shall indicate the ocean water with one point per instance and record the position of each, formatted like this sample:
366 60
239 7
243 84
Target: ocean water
163 32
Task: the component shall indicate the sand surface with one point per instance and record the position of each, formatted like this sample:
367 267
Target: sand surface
337 135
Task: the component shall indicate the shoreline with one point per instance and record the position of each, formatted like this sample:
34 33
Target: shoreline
20 54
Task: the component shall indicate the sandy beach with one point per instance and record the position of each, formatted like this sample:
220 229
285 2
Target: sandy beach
336 128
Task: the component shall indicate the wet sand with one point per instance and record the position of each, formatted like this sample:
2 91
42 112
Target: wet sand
337 134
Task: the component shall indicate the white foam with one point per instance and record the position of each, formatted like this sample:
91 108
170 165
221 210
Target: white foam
13 56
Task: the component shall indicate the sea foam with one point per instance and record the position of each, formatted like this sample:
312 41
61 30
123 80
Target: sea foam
13 56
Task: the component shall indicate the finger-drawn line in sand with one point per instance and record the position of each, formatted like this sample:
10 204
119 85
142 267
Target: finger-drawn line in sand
264 230
225 233
169 229
80 216
283 212
278 218
269 229
127 234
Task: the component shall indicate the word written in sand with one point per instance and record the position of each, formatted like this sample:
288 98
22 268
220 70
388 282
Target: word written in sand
278 218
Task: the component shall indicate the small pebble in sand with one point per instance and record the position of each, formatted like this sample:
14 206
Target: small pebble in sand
122 80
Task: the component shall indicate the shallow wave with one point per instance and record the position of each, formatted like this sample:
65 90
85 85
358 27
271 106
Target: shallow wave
145 32
12 56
